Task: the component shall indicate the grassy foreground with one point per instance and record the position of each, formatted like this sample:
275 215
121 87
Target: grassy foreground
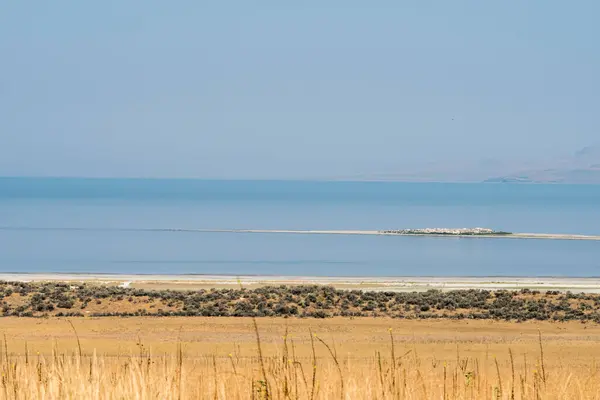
337 358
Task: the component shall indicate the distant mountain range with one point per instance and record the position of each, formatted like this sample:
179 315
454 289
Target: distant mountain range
581 167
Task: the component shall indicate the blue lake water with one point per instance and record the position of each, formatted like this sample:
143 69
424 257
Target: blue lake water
37 217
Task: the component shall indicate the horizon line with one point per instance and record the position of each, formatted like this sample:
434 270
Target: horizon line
324 180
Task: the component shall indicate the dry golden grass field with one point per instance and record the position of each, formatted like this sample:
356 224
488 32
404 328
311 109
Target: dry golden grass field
343 358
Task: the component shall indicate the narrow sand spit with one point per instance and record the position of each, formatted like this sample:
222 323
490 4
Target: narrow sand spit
551 236
497 235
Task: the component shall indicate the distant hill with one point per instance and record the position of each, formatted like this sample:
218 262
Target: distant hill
581 167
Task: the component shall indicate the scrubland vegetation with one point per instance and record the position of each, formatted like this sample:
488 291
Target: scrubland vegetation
61 299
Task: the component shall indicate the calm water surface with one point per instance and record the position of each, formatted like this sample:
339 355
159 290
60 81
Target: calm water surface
29 207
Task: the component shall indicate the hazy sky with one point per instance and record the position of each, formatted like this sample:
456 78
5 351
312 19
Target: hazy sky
299 89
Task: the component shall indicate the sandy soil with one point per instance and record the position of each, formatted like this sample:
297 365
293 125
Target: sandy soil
358 337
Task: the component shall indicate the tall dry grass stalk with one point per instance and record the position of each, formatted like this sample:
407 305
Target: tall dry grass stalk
542 357
314 365
337 364
512 374
76 337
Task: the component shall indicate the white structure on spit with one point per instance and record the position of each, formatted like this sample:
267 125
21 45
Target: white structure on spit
445 231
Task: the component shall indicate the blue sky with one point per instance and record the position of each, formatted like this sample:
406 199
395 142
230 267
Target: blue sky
292 89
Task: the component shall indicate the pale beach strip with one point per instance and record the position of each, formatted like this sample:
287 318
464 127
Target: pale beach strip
392 284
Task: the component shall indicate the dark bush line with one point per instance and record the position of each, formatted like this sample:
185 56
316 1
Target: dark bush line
305 301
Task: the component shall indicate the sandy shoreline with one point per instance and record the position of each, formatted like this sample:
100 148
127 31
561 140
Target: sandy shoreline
191 282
